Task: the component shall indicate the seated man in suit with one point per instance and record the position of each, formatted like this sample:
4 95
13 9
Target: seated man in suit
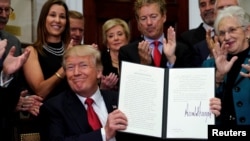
66 117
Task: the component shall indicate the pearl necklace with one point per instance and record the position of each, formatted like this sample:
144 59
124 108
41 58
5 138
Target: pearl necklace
55 51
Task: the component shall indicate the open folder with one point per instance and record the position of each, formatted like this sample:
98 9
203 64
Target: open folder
167 103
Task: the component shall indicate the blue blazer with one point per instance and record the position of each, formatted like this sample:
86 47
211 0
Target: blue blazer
240 91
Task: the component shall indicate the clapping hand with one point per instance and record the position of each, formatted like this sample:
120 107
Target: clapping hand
215 106
144 52
11 63
211 41
220 55
109 81
247 67
95 46
3 44
169 45
30 103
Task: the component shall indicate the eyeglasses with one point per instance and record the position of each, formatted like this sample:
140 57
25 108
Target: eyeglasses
7 10
231 30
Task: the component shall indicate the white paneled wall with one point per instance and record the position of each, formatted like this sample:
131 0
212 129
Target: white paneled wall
194 14
75 5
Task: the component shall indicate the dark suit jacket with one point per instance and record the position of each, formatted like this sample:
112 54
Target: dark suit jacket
201 53
184 55
193 36
63 117
108 67
9 96
8 100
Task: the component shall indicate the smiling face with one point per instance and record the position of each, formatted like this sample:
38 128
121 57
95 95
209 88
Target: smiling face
151 21
76 30
116 38
207 11
82 71
233 34
56 21
4 17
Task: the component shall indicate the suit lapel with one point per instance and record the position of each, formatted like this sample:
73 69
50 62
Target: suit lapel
76 110
110 99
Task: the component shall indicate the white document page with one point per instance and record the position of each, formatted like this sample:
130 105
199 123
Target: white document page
141 98
188 102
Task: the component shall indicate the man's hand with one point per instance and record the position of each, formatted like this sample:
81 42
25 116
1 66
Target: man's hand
3 44
215 106
30 103
169 45
11 63
144 52
94 46
116 121
211 42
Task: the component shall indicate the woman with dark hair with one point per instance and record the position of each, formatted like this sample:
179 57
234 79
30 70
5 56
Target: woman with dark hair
43 71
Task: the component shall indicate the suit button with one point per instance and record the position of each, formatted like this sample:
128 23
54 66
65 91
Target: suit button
239 104
242 119
236 89
231 117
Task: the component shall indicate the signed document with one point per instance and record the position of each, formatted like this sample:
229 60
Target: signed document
167 103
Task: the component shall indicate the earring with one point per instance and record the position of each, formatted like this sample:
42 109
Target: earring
107 49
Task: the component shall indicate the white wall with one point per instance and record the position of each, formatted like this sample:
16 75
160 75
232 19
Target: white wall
194 12
245 4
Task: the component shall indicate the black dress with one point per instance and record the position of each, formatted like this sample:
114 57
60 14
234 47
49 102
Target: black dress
107 66
50 64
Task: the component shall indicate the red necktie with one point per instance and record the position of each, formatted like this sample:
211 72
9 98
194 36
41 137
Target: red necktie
93 119
157 54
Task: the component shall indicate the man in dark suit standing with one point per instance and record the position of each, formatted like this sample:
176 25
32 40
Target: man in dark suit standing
194 36
65 116
207 14
8 94
202 49
151 17
5 11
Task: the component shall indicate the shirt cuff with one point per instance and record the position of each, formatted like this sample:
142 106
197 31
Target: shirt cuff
6 83
169 65
104 135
